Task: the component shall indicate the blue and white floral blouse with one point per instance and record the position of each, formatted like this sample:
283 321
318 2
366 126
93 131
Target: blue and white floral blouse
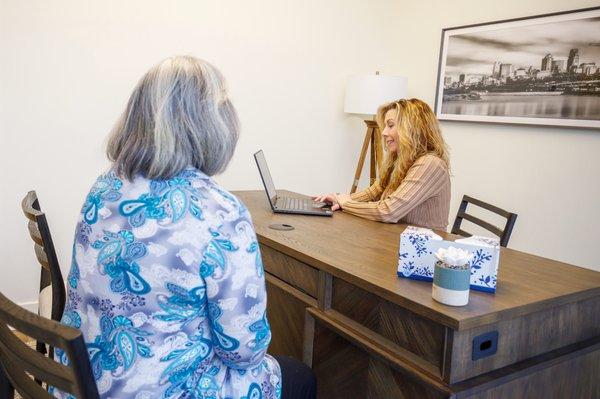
167 286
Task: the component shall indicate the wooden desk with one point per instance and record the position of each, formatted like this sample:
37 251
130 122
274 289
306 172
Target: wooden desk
334 301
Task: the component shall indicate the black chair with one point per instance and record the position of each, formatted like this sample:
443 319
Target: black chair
503 234
19 363
51 280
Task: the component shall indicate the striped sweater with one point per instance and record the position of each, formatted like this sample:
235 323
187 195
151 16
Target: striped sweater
422 199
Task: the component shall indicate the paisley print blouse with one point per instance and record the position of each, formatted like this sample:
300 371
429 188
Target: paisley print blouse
167 285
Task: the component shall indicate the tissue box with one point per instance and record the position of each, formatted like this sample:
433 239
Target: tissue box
416 257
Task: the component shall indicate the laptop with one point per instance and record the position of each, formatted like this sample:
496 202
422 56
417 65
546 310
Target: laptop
281 204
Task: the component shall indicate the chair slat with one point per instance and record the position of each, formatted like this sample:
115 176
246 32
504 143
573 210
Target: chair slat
41 256
482 223
30 206
35 363
35 326
34 233
489 207
20 362
22 383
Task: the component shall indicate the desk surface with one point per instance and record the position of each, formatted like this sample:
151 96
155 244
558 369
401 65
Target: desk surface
365 253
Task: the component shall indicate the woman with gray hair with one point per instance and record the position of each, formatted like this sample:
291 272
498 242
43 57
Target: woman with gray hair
167 283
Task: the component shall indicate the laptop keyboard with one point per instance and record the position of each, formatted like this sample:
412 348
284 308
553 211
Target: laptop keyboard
297 204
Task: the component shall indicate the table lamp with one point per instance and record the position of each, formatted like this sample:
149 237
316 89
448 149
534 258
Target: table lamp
364 95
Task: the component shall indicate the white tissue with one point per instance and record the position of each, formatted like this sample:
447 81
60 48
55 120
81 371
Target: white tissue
454 256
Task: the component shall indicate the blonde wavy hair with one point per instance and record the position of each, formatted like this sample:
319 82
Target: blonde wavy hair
418 134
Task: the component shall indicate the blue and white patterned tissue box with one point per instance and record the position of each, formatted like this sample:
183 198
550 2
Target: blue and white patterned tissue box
416 257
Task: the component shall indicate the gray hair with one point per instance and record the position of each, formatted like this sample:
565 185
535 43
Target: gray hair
177 116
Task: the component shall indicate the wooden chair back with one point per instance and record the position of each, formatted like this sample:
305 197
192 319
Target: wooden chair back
502 233
19 363
45 253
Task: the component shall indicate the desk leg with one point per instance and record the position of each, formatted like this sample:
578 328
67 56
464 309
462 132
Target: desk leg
309 339
286 314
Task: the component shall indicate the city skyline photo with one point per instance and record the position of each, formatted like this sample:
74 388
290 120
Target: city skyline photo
475 53
537 70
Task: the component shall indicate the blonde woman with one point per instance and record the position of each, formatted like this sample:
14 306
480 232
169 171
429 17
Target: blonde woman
167 283
414 186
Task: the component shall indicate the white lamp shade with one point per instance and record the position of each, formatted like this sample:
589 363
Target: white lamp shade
364 94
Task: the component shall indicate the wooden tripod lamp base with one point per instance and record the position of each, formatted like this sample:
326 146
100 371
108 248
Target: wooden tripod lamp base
372 138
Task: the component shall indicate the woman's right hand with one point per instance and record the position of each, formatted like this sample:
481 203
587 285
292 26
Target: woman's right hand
328 199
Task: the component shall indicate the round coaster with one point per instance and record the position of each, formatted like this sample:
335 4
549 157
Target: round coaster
283 226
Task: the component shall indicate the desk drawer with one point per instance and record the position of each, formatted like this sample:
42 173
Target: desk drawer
408 330
290 270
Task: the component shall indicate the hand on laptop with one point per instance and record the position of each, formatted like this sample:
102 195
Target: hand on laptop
328 199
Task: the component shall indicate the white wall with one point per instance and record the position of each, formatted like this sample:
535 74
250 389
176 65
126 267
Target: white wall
549 176
67 68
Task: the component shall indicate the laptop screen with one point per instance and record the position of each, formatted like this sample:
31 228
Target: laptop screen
263 169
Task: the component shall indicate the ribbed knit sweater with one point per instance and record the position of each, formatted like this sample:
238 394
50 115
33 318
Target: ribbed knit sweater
422 199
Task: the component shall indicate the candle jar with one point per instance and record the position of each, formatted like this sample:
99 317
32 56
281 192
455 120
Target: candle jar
451 284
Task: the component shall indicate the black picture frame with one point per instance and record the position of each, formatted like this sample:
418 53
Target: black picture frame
550 96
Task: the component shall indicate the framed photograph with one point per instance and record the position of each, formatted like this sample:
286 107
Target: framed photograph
540 70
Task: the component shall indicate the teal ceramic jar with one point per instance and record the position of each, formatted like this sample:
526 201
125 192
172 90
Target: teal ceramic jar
451 286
